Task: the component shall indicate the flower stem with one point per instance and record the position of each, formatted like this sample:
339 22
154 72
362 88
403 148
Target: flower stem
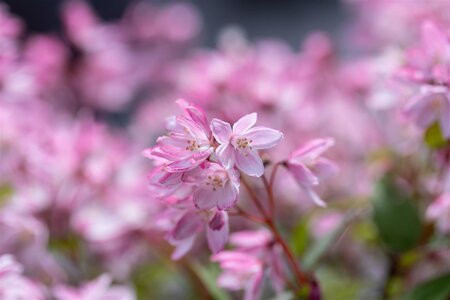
301 278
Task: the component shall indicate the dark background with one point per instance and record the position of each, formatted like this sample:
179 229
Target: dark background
289 20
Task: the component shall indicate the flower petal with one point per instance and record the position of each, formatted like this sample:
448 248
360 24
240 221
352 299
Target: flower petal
263 137
324 168
244 123
183 247
420 109
250 163
218 238
227 196
205 197
253 288
225 154
314 197
302 174
445 119
312 149
189 224
221 131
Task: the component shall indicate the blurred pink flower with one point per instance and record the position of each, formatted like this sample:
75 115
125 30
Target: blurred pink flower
239 145
308 168
192 223
240 271
431 105
439 212
14 285
97 289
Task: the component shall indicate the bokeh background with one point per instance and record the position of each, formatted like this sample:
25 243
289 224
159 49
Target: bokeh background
289 20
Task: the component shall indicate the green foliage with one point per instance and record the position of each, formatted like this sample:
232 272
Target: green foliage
300 237
395 216
435 289
208 275
433 137
337 285
6 191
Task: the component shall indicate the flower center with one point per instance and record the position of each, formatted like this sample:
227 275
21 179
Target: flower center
215 181
192 146
243 143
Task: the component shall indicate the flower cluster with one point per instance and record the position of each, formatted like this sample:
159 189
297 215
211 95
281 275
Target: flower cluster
203 161
84 216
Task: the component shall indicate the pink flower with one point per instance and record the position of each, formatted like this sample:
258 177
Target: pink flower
192 222
239 145
431 105
308 168
260 243
188 143
97 289
429 63
216 187
14 285
439 211
240 271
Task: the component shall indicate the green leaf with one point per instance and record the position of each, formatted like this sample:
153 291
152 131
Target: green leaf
6 191
395 216
300 237
208 274
315 253
337 285
433 137
435 289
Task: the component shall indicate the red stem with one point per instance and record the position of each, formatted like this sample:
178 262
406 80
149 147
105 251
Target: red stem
301 278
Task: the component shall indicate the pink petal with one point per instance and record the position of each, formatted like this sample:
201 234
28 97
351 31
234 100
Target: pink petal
435 40
244 123
188 163
263 137
250 163
225 154
221 131
445 119
324 168
183 247
421 111
218 238
196 114
314 197
205 197
313 149
227 196
254 287
302 174
187 226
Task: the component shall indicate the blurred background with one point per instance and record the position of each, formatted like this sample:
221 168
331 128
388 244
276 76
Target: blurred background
289 20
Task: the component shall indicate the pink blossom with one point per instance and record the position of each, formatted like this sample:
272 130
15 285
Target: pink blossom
439 211
240 271
260 243
216 187
239 145
14 285
431 105
188 143
308 168
97 289
192 223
